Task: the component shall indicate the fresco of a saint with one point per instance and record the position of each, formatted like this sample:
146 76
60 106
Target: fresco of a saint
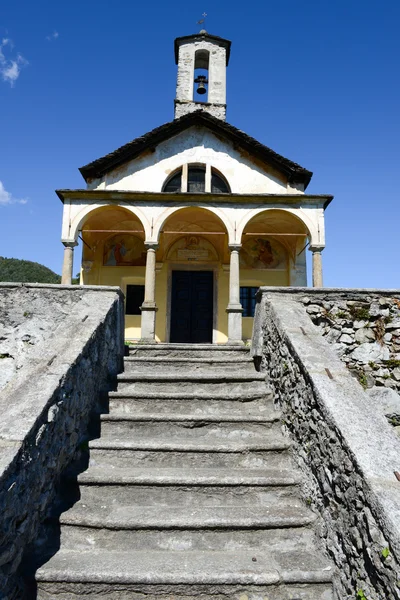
124 250
261 253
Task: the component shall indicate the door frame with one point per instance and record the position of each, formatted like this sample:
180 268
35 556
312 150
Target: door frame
214 267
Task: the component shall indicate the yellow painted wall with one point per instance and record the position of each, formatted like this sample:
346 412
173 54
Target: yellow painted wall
256 278
123 276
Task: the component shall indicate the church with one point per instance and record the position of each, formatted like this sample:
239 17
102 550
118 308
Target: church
191 218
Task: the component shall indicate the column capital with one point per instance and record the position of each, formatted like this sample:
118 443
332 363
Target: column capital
233 247
70 244
316 248
151 245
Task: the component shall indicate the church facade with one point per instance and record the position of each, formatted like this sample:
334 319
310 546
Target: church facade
192 217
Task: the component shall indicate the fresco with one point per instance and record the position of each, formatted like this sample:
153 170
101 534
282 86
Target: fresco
124 250
262 253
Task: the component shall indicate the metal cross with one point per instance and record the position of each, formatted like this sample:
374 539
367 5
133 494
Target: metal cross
203 19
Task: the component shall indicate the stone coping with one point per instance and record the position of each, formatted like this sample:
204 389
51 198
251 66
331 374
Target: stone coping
310 291
62 287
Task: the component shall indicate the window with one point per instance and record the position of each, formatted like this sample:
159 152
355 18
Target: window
198 180
218 185
248 300
134 299
174 184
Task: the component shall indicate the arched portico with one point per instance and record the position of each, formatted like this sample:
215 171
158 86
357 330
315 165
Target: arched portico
94 224
292 229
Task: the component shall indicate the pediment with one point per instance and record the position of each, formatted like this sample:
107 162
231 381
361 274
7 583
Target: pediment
187 138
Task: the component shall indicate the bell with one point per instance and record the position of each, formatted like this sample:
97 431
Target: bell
201 80
201 89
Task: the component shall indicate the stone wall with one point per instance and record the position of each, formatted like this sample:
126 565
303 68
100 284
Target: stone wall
347 451
67 344
364 329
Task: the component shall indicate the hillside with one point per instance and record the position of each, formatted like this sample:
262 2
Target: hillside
14 269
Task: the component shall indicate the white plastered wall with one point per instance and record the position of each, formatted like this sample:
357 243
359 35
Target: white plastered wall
196 145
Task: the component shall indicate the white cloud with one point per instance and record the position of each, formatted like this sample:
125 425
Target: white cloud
8 198
52 36
10 67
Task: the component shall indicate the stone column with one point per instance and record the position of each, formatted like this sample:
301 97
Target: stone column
149 307
68 263
234 308
317 265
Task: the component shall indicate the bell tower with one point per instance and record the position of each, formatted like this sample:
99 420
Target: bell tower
201 85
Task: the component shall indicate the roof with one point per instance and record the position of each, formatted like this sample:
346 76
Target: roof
214 39
294 172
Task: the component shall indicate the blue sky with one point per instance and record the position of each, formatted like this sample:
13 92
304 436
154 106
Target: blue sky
317 81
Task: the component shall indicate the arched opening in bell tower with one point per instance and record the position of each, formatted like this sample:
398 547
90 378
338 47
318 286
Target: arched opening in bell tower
201 75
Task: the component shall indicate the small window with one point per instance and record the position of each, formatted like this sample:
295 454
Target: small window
248 300
134 299
196 179
218 185
174 184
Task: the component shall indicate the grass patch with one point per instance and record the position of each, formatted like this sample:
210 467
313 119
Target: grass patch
392 363
359 313
342 314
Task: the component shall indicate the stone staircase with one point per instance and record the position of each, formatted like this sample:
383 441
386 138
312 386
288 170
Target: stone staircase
190 491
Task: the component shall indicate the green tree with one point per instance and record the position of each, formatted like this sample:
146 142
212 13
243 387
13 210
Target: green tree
26 271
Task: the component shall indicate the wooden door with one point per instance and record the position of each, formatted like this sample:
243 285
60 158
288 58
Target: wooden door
192 307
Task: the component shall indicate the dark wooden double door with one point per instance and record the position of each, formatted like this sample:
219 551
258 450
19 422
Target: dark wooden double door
192 307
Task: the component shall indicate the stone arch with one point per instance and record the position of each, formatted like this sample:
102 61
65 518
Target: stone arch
281 228
193 221
215 211
88 211
298 217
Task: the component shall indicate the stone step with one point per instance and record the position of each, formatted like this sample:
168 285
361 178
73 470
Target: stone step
190 491
222 397
52 590
196 383
209 568
126 426
186 497
98 475
122 403
143 364
193 378
189 350
195 440
87 539
181 458
114 516
190 419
